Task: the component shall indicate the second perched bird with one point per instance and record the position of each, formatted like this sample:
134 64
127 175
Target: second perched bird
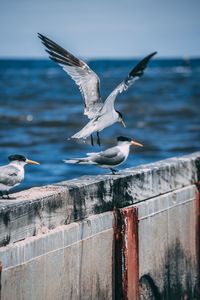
101 114
12 174
109 158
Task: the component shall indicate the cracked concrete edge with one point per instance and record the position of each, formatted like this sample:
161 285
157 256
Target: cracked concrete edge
42 208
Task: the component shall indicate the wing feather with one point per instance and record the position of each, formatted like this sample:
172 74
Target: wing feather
111 156
135 74
86 79
8 175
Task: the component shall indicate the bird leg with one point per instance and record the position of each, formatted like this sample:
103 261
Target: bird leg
114 171
8 197
3 196
98 139
92 141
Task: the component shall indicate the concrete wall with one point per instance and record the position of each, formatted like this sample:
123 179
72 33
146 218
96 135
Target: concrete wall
168 251
57 241
70 262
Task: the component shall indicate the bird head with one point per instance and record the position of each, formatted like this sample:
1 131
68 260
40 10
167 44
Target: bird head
120 119
129 141
21 159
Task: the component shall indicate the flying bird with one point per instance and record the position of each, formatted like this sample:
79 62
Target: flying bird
109 158
101 114
12 174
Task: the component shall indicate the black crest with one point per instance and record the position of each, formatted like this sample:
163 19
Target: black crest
17 157
123 139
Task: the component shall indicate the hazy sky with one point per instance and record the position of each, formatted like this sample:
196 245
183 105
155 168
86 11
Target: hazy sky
101 28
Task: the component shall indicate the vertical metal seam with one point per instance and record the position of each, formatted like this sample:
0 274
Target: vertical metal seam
117 256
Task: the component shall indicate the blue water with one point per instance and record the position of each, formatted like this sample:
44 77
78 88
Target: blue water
40 107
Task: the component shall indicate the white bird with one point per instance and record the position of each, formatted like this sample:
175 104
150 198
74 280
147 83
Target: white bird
12 174
109 158
101 114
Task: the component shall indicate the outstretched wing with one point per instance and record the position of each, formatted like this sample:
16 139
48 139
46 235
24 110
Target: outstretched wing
8 175
87 80
135 74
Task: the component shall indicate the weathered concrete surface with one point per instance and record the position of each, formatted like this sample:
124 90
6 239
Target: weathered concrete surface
70 262
168 254
41 209
44 255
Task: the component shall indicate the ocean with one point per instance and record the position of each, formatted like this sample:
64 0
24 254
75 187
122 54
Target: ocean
41 107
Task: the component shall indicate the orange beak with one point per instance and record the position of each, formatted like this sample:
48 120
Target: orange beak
136 144
28 161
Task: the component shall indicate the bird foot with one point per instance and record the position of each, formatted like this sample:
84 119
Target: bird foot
5 196
114 171
8 197
1 195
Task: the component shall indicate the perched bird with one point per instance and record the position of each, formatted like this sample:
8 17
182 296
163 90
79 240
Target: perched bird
12 174
109 158
101 114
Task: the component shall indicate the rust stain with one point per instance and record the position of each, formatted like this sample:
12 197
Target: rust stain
126 238
130 252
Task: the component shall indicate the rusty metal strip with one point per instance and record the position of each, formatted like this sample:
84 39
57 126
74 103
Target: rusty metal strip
126 254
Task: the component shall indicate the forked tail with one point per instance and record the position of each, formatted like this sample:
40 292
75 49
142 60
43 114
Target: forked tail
81 161
85 131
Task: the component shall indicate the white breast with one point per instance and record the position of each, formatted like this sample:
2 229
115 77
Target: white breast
20 170
106 120
125 148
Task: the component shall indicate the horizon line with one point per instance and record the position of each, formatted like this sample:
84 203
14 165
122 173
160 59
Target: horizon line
183 57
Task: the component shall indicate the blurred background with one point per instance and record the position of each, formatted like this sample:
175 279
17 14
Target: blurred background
40 106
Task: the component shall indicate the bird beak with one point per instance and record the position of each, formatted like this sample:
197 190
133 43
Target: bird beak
123 124
136 144
28 161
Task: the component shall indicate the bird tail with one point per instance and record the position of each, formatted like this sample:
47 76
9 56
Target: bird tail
86 131
81 161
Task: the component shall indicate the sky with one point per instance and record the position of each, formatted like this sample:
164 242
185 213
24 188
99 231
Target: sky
101 29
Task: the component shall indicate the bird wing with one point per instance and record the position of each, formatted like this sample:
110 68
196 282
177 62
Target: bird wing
135 74
86 79
8 175
111 156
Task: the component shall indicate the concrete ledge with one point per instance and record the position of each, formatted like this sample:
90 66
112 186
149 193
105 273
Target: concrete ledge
38 210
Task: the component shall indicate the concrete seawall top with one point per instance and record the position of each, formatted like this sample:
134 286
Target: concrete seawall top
38 210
